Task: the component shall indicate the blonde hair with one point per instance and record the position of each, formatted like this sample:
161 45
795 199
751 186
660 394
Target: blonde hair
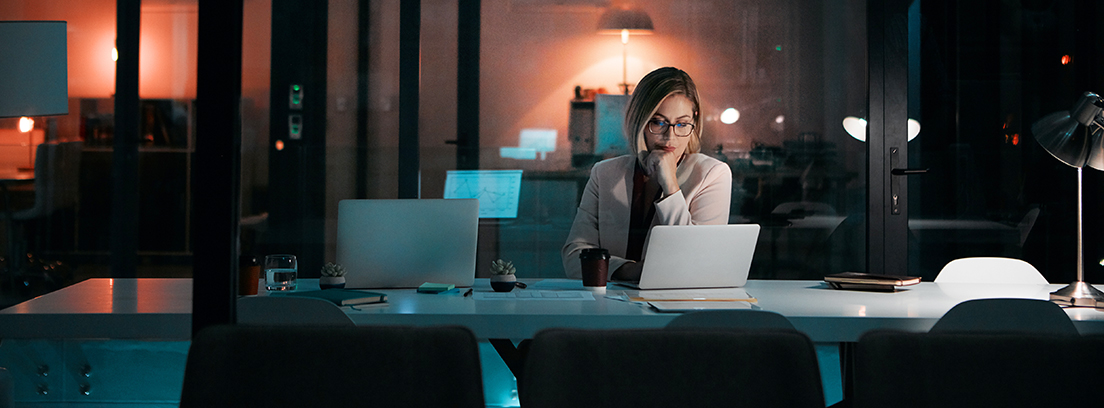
645 100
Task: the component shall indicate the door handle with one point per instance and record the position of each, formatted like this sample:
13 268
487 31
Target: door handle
907 172
896 189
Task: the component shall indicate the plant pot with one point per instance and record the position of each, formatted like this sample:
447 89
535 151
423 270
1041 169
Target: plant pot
331 282
503 283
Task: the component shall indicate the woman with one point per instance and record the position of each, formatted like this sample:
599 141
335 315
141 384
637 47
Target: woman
666 181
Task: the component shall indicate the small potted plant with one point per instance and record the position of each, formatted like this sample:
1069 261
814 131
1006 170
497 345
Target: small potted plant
333 276
502 276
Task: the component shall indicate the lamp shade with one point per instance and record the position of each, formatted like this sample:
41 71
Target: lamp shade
615 19
33 69
1074 137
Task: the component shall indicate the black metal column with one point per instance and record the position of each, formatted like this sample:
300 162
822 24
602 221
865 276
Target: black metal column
297 143
410 26
124 160
363 20
467 85
216 164
887 131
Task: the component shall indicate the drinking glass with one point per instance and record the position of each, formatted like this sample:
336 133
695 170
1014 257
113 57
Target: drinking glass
280 272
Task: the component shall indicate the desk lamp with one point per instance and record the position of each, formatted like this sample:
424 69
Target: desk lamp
33 69
33 79
1074 138
624 21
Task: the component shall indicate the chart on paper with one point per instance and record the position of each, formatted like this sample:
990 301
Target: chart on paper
496 190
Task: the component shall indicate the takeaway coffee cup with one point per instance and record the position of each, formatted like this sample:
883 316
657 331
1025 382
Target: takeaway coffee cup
595 263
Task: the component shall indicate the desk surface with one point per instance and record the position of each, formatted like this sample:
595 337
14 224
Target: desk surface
161 309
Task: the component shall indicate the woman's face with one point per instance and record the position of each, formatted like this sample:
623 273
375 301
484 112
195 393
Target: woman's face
676 111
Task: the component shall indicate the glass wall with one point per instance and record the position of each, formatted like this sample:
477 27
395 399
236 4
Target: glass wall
776 80
981 74
73 243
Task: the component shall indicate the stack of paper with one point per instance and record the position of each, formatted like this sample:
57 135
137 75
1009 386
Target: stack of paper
693 299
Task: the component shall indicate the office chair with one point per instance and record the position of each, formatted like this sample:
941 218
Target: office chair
671 367
56 188
7 389
905 370
1006 315
291 311
734 319
803 208
282 366
989 270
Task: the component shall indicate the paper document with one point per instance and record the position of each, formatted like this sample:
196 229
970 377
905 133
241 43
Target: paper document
693 306
535 295
690 295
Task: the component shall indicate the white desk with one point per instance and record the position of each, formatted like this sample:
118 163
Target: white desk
161 309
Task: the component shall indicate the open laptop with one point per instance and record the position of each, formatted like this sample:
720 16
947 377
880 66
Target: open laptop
697 256
405 243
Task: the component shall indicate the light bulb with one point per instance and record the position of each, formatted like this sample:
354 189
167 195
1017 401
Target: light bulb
913 129
730 116
856 127
26 124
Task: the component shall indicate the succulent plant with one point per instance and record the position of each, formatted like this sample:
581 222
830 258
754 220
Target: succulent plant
500 267
332 269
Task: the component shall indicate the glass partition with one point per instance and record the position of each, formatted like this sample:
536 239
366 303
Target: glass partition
980 76
73 243
776 80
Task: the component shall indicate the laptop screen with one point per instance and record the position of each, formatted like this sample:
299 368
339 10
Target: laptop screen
405 243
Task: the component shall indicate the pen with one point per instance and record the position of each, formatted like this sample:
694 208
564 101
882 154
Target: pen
468 293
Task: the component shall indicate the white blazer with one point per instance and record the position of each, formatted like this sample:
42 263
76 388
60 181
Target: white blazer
602 219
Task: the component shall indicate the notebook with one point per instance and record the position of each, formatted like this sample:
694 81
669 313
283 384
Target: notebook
697 256
405 243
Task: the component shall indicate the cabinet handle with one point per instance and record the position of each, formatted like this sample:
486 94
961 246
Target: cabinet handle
43 389
44 370
86 389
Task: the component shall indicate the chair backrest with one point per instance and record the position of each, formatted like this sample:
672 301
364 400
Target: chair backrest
904 370
668 367
7 389
283 366
989 270
804 208
66 175
57 178
290 310
1006 315
1026 223
45 157
736 319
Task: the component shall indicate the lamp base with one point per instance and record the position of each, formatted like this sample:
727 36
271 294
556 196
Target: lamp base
1078 294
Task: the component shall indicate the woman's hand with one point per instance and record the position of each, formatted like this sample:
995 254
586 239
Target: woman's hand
662 165
629 271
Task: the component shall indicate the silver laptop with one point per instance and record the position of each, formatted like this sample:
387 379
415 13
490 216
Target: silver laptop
697 256
405 243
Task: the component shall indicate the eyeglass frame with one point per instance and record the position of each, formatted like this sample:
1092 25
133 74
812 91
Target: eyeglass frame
668 126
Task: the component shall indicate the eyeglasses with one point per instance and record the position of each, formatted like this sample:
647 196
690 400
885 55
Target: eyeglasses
660 126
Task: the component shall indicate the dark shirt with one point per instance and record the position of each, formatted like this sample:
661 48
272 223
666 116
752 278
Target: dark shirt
643 211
